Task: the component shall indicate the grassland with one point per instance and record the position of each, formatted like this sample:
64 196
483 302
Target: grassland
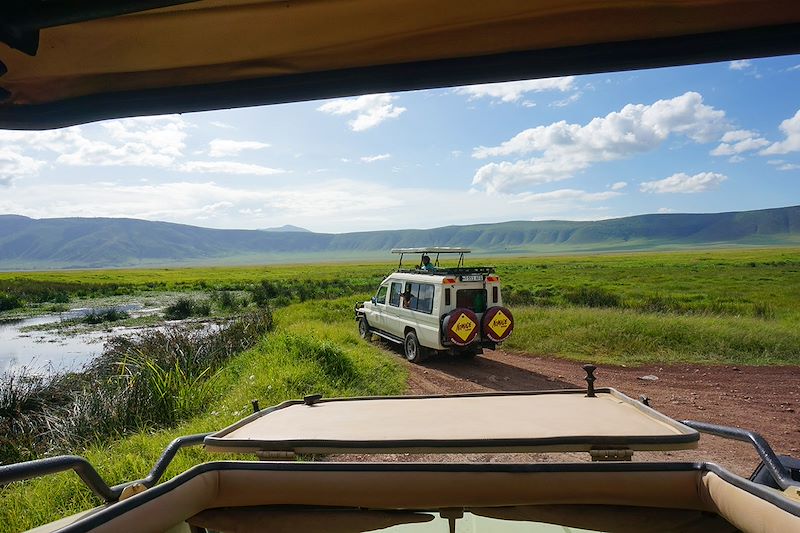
736 307
719 306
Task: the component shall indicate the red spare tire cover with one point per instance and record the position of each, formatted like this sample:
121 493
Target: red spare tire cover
461 326
498 322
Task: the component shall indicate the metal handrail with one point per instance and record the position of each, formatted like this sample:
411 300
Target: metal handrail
778 472
88 474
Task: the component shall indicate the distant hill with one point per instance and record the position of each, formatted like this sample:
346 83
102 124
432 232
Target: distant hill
27 243
287 227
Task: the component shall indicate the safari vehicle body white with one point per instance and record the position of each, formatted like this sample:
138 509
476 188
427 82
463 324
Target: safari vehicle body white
449 309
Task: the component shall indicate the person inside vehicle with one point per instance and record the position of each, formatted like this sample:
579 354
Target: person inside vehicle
426 264
406 296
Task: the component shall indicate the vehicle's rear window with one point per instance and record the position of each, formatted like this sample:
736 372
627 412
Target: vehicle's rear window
474 299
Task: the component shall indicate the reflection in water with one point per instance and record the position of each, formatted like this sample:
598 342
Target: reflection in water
45 351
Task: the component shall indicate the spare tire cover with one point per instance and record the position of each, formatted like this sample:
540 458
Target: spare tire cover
497 323
461 326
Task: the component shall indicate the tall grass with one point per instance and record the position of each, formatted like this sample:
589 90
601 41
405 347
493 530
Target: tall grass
153 380
615 336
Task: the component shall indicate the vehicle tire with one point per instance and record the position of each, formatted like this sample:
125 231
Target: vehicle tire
469 353
414 351
363 329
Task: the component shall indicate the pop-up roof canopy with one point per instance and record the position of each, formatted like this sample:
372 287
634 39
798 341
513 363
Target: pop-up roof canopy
70 61
545 421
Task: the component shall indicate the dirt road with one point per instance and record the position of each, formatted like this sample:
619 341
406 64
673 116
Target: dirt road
764 399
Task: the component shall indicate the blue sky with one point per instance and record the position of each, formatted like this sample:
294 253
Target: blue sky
708 138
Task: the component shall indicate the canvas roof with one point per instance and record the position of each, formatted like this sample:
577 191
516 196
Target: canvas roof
71 62
497 422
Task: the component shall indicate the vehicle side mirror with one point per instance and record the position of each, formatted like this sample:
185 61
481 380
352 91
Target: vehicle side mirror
374 300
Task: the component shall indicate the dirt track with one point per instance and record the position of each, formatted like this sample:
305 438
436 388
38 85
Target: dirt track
764 399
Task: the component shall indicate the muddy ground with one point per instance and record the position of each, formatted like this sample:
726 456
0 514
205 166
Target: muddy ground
763 399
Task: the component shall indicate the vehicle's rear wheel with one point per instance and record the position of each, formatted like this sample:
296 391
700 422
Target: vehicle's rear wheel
363 329
414 352
469 353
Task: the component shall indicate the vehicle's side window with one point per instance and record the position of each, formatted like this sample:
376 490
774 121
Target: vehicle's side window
420 297
381 296
425 299
394 294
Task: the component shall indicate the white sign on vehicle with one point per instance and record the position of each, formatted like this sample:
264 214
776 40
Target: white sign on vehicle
472 277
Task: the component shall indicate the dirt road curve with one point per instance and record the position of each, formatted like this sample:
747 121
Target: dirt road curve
764 399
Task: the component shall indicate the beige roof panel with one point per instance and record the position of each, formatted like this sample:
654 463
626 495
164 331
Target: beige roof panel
498 422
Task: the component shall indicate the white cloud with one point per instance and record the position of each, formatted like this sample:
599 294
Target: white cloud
568 100
370 110
222 125
664 210
512 91
14 165
228 167
143 141
562 195
684 183
225 147
736 159
568 148
373 158
740 64
618 185
788 166
791 129
739 141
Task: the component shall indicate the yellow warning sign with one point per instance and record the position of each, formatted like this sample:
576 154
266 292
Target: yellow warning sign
500 323
463 327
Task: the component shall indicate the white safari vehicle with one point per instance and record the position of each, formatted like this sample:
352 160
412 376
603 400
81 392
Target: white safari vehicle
432 308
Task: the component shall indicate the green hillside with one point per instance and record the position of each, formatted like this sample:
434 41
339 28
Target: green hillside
27 243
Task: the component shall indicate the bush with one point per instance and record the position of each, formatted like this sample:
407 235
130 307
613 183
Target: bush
8 302
107 315
182 309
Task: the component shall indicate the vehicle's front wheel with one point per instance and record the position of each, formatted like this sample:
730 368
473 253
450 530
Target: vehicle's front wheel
363 329
414 352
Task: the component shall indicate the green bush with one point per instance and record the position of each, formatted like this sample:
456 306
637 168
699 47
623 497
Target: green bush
107 315
184 308
8 302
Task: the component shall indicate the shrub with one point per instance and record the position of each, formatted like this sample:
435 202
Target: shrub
107 315
8 302
180 310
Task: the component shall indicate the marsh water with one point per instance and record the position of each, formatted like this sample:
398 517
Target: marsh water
42 351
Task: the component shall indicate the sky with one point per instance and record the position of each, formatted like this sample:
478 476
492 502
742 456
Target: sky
705 138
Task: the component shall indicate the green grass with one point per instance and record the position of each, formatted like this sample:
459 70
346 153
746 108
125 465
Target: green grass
625 337
313 350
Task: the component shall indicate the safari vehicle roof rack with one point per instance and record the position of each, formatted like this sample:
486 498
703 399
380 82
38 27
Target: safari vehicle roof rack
434 250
